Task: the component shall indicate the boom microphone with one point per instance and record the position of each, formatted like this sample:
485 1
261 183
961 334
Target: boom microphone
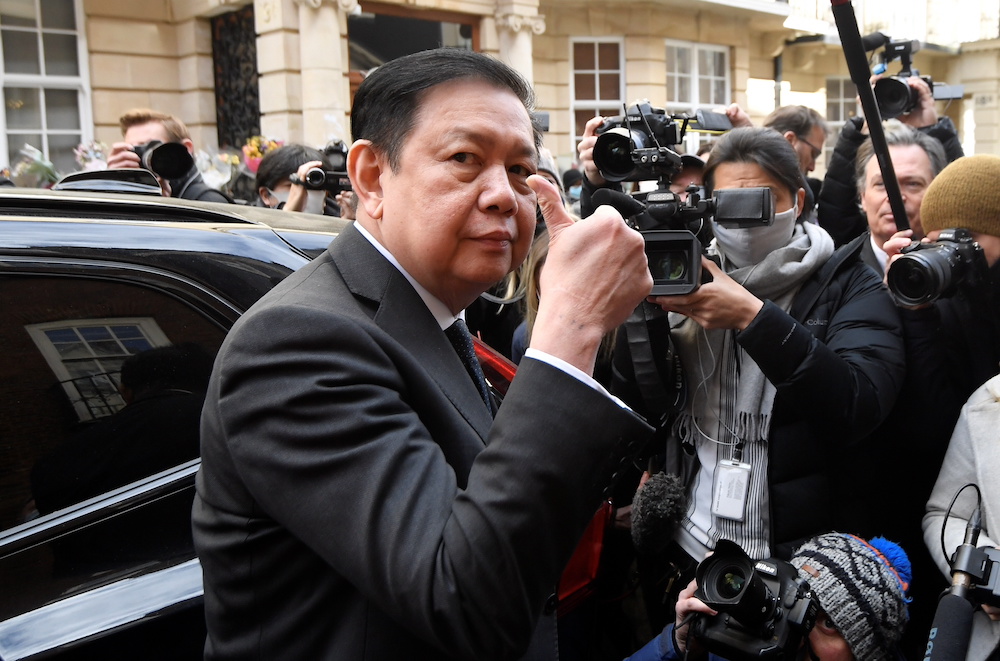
657 509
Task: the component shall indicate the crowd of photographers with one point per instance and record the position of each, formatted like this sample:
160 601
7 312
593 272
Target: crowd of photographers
823 371
811 379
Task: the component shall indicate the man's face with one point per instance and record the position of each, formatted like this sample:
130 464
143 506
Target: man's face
458 213
914 174
809 149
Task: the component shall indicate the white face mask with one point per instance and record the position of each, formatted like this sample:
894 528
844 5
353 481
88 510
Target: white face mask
744 246
282 197
315 201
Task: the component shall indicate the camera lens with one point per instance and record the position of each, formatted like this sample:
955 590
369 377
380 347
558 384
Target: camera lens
731 583
670 266
315 177
894 96
921 277
613 153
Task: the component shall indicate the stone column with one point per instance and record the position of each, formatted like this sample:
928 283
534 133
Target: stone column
279 82
324 65
516 23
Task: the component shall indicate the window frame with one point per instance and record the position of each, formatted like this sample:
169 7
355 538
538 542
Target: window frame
599 106
150 330
673 106
42 82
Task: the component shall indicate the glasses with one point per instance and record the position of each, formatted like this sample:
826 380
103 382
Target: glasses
817 152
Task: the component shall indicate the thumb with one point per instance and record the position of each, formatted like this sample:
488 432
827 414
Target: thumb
555 214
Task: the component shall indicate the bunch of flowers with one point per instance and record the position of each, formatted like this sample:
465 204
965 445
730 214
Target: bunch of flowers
255 148
220 169
91 155
32 170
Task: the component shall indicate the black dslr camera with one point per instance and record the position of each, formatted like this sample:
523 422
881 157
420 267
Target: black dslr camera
634 147
170 160
764 608
929 271
893 94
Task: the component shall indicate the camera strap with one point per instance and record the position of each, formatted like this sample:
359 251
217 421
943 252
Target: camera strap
658 372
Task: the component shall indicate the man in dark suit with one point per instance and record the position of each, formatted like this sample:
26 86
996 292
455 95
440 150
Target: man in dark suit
356 499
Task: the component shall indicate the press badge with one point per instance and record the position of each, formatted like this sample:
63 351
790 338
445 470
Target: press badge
732 483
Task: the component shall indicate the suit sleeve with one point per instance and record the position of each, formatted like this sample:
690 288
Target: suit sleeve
332 439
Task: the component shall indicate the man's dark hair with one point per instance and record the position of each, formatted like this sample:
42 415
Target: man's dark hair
184 366
759 146
800 120
279 164
388 100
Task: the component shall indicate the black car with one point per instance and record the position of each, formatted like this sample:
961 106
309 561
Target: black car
96 558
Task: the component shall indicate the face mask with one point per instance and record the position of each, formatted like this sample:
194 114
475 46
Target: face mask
282 197
744 246
315 201
574 192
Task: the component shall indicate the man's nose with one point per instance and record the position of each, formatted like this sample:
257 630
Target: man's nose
497 192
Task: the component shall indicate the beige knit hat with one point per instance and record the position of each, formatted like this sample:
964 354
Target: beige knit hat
965 194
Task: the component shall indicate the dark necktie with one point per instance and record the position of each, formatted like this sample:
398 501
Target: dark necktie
458 334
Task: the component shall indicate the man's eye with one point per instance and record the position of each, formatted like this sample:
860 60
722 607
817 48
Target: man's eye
462 157
522 170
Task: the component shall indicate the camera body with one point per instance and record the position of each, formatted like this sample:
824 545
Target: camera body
633 147
929 271
982 565
893 94
320 179
170 160
764 608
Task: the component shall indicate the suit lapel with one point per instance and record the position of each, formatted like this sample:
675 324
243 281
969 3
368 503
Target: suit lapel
402 314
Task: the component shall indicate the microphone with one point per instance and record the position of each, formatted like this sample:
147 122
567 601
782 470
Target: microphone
624 204
657 510
951 628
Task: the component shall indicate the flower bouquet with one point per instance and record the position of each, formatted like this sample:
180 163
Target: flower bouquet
255 148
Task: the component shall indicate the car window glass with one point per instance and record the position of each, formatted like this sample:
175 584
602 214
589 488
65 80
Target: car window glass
71 426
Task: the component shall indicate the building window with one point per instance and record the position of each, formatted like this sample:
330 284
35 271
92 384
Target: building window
598 81
841 100
697 77
86 356
44 72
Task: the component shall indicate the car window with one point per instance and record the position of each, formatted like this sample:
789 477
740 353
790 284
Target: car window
72 426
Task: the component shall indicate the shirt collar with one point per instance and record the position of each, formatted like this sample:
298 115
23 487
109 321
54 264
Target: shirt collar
441 313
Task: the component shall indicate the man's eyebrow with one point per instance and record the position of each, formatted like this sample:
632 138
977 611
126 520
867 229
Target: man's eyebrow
459 133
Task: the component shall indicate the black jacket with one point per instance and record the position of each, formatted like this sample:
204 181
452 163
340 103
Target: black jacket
836 360
838 212
191 186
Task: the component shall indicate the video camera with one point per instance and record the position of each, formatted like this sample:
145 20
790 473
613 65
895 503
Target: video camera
320 179
929 271
170 160
634 147
893 94
764 608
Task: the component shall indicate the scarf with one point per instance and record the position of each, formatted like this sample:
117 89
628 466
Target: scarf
729 396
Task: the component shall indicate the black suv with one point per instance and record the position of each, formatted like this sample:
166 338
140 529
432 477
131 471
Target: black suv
96 559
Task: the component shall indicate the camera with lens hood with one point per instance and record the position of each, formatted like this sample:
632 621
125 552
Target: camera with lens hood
764 609
636 146
929 271
169 160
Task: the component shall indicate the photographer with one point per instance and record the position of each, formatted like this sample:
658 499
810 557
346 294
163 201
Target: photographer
791 356
972 457
860 588
276 189
838 213
142 130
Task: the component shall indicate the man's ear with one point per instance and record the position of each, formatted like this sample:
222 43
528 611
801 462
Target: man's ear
801 198
791 137
365 167
187 142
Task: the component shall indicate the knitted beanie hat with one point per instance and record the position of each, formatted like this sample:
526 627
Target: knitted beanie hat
862 588
965 194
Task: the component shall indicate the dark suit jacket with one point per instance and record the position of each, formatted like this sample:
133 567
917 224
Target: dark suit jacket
355 499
